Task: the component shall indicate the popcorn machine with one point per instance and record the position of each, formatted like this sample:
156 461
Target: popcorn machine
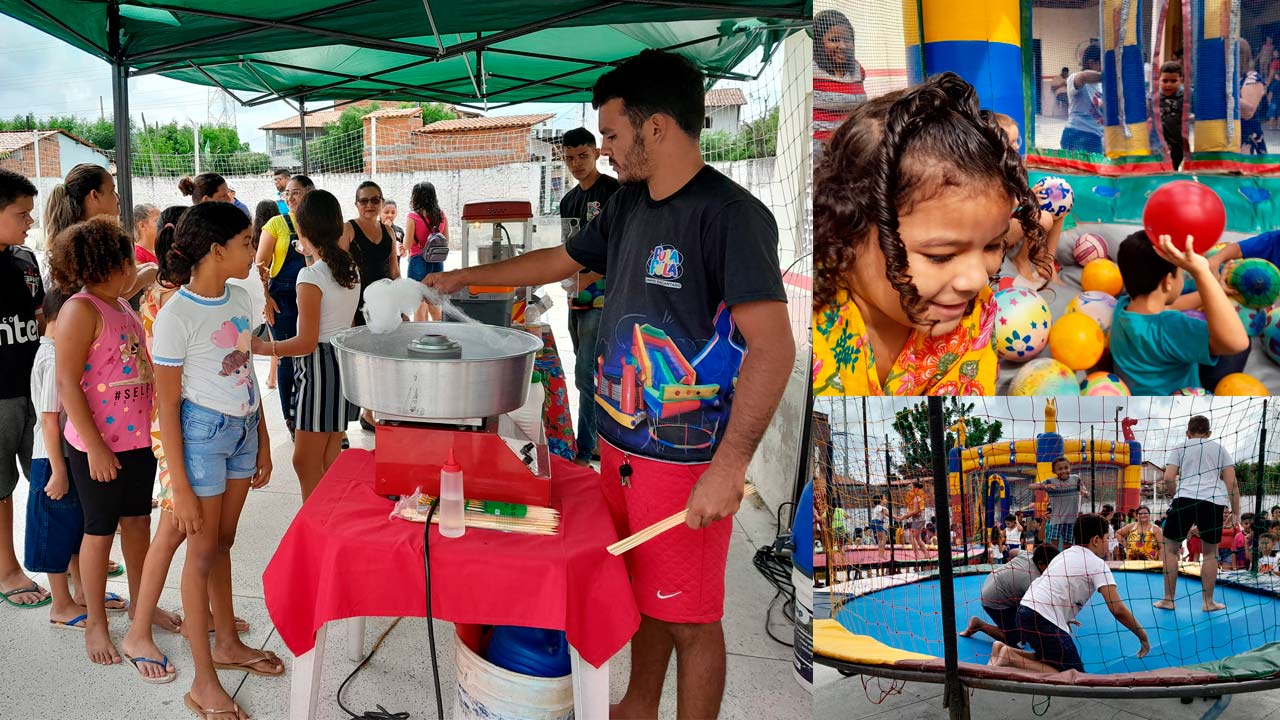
492 231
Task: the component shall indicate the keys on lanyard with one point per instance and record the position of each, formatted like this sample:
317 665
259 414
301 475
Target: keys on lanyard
624 472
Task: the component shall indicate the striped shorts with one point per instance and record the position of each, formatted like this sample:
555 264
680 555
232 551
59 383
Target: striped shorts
318 402
1064 533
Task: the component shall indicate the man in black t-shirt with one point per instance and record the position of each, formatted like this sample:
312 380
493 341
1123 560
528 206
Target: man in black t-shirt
586 289
693 284
21 294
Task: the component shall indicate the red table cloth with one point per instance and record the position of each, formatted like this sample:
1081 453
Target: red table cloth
342 557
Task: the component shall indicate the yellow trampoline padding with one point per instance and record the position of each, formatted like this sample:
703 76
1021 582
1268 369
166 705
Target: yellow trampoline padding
831 639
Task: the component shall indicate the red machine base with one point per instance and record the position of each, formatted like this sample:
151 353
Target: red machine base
410 457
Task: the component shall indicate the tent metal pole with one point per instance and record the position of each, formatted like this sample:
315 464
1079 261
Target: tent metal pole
302 122
956 698
120 112
503 36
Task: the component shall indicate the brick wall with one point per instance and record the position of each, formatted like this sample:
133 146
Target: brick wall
23 160
401 150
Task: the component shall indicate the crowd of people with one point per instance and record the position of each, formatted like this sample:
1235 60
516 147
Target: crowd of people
131 358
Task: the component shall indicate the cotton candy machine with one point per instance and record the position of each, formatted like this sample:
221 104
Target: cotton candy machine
435 387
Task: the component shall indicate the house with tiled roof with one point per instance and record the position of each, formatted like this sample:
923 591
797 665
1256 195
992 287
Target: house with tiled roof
724 109
404 144
58 150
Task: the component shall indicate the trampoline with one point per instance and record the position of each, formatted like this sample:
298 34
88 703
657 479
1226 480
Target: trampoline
893 627
866 556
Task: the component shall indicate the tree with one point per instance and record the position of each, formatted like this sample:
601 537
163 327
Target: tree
912 426
756 139
1248 482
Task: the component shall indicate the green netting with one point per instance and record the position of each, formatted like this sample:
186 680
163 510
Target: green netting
359 48
1262 662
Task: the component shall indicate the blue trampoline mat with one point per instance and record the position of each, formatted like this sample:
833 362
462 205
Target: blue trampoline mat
909 617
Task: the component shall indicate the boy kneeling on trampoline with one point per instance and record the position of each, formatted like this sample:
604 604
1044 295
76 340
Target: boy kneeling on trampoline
1051 604
1002 593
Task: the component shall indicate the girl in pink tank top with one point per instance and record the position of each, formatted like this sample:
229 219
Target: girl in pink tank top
117 379
105 384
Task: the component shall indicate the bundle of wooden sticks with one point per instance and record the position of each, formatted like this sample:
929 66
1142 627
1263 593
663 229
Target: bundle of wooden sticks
536 521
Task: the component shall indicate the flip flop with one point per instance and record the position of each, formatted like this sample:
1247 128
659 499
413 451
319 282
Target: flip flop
32 588
117 572
248 665
112 597
242 627
80 622
206 713
165 679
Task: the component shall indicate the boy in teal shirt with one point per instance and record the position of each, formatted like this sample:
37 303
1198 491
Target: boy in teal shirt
1158 351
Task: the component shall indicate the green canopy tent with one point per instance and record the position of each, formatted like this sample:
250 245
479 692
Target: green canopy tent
474 54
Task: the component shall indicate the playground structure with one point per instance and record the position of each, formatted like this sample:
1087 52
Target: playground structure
999 464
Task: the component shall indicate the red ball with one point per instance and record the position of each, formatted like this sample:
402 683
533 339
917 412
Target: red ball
1183 208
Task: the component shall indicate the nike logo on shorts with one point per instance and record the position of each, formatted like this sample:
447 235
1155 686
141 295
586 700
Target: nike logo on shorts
668 597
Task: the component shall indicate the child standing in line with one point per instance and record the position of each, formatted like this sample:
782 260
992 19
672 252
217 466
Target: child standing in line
55 524
105 384
1156 350
328 292
1268 560
1012 536
21 292
214 439
911 208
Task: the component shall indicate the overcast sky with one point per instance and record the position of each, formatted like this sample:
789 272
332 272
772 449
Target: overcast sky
45 77
1161 424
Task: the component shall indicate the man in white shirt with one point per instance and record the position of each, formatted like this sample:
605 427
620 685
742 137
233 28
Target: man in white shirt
1205 478
1049 608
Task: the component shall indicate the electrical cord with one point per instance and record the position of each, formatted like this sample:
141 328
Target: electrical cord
774 563
382 713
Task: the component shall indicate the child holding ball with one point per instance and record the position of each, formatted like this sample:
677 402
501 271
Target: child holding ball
1156 350
911 211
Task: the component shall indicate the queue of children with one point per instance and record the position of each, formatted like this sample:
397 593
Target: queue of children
106 401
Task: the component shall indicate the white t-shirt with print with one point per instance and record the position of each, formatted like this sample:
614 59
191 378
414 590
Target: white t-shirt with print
1067 584
209 339
44 394
1268 563
1200 462
337 304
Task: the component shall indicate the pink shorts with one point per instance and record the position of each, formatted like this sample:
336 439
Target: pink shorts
678 576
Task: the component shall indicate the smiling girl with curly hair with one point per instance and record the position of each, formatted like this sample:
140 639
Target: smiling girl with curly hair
912 204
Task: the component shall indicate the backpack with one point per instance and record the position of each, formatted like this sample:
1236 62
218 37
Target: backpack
436 247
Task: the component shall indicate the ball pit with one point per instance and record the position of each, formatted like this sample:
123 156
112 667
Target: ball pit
1055 195
1077 341
1089 247
1103 384
1097 305
1102 276
1257 281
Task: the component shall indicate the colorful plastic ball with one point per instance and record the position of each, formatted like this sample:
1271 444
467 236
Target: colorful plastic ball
1022 324
1044 376
1257 281
1271 335
1181 208
1077 341
1102 276
1055 195
1097 305
1241 385
1253 319
1191 391
1089 247
1103 384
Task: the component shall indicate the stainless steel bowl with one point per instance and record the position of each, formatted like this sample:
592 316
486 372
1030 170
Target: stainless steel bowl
382 373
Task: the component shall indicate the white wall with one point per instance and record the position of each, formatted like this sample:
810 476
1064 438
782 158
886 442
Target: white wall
723 118
72 153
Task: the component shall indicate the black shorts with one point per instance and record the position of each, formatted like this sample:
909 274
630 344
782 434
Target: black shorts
104 503
1007 620
1185 512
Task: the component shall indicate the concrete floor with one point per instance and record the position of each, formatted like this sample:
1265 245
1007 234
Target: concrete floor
863 698
46 673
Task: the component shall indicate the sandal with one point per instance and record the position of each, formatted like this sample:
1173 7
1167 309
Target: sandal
32 588
209 714
115 569
112 597
248 665
80 622
165 679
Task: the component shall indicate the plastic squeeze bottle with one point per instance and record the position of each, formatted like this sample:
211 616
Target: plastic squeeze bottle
452 505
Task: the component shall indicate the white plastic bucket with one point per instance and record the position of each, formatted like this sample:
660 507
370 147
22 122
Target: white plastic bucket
488 692
802 613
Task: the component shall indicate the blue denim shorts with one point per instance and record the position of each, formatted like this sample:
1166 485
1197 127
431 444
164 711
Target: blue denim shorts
54 527
217 448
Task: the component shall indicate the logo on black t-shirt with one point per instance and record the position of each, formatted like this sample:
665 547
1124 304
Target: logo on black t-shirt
665 265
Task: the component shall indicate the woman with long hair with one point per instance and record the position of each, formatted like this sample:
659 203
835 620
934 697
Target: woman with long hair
425 218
